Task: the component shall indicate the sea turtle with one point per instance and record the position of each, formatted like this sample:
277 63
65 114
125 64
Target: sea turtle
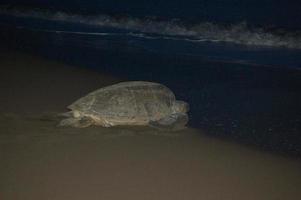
129 103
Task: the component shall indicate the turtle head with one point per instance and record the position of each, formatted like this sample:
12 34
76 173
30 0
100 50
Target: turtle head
180 107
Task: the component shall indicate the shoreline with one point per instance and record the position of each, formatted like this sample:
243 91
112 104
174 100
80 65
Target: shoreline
35 85
42 161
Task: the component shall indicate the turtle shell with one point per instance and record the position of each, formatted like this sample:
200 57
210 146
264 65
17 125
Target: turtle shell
134 101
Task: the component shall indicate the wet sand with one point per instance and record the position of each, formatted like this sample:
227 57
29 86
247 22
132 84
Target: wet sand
39 160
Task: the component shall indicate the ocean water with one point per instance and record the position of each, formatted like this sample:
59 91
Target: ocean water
237 64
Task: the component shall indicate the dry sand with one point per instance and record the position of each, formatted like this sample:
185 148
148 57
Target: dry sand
41 161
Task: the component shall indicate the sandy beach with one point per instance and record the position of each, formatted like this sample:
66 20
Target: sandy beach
39 160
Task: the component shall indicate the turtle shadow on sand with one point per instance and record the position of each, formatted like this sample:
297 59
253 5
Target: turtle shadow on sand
128 103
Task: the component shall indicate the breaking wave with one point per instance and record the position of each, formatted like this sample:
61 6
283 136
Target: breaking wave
236 33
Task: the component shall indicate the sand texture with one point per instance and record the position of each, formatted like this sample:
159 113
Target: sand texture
40 161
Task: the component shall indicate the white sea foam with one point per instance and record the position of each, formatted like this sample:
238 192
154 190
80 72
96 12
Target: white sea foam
236 33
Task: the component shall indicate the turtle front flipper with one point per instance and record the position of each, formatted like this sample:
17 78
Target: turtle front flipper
176 121
76 122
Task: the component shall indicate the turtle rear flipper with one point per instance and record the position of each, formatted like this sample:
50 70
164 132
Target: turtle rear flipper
66 114
176 121
76 122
